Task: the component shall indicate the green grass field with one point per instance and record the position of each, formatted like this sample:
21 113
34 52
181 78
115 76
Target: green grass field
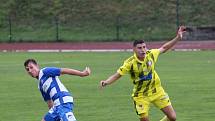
188 77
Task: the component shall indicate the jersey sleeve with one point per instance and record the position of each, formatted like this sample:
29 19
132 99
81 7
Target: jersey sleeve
155 53
52 71
125 68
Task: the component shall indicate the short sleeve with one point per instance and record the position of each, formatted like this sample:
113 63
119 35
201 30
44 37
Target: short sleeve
52 71
125 68
155 53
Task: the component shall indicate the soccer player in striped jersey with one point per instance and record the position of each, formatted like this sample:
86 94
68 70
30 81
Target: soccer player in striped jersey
58 98
147 86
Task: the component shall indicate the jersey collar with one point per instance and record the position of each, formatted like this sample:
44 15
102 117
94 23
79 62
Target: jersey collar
135 56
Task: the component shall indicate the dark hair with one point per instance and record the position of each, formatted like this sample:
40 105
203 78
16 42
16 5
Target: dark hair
29 61
137 42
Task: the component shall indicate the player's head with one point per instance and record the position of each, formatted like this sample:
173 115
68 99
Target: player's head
139 47
32 67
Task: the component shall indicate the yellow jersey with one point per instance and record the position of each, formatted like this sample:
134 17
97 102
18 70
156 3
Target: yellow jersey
143 75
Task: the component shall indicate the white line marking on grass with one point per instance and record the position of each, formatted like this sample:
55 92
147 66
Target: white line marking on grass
92 50
82 50
68 50
43 50
186 49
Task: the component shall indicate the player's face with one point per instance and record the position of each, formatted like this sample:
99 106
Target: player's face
140 50
32 69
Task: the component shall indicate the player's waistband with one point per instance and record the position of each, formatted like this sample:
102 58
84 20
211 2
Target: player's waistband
65 99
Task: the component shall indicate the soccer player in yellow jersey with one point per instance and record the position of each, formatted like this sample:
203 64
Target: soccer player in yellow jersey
147 86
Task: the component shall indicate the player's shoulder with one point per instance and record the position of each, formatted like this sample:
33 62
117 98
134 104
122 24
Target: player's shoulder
153 54
130 59
152 51
47 70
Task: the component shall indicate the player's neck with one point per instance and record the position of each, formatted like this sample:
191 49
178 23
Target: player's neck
141 58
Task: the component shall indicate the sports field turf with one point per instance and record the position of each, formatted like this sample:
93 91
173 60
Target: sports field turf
188 77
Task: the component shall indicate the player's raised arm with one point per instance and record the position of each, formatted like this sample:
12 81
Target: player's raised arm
110 80
85 72
171 43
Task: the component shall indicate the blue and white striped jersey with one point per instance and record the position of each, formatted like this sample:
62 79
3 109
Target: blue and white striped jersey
51 87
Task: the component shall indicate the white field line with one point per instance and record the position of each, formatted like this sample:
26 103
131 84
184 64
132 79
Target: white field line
187 50
82 50
89 50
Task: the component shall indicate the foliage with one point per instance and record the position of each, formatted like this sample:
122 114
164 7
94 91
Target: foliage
132 19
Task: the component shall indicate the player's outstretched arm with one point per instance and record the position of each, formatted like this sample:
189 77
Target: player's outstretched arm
110 80
171 43
85 72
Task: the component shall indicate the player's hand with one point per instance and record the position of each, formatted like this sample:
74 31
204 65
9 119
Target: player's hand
102 84
181 30
86 71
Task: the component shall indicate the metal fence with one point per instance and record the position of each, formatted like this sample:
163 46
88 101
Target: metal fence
94 20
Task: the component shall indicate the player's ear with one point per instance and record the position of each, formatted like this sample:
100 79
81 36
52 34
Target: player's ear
134 48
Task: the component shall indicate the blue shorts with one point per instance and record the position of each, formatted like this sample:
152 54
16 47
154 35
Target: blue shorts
62 112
